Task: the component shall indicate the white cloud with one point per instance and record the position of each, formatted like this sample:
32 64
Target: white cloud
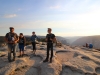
55 7
10 16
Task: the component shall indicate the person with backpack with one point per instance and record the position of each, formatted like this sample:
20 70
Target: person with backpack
50 38
11 39
33 40
22 41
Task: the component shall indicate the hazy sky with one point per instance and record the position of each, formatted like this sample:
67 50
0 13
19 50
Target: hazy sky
65 17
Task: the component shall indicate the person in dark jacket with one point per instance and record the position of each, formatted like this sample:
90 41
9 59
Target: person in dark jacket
33 40
50 38
22 42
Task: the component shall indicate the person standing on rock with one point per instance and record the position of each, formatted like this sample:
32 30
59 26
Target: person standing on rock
33 40
11 39
50 38
21 42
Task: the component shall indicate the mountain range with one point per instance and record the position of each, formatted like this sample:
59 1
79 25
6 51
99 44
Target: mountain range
74 41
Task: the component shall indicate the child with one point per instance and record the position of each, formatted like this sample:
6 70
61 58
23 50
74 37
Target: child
22 41
33 39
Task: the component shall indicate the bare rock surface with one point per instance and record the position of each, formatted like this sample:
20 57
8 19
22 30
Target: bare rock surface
66 61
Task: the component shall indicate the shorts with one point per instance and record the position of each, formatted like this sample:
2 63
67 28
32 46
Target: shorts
21 47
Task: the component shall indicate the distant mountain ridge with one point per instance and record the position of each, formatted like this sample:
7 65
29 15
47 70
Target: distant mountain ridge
72 39
59 38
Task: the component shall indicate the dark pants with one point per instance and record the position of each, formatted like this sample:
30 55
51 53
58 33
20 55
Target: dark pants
34 46
21 47
11 49
49 47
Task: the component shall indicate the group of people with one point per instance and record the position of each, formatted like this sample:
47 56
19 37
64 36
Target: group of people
90 45
12 39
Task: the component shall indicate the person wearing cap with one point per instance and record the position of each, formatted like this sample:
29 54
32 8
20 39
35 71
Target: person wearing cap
33 40
22 41
11 39
50 38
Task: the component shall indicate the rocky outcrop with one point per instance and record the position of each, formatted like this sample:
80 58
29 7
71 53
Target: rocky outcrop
51 69
66 61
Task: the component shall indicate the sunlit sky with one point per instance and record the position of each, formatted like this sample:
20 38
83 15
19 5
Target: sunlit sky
65 17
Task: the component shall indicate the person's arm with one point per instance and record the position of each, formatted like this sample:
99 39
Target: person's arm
54 39
24 41
17 39
37 38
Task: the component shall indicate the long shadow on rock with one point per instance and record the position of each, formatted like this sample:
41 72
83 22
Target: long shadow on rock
34 70
76 55
85 58
90 74
67 70
97 70
62 51
3 62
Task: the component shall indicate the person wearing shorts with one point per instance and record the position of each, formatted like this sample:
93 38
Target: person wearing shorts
22 41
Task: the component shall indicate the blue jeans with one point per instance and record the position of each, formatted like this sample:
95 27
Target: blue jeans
11 49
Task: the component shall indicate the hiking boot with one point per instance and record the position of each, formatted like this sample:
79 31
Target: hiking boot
34 52
50 60
22 55
10 61
19 56
45 60
13 59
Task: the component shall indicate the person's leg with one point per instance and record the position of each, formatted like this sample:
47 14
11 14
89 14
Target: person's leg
14 52
9 53
51 53
47 57
19 51
16 47
34 47
22 50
